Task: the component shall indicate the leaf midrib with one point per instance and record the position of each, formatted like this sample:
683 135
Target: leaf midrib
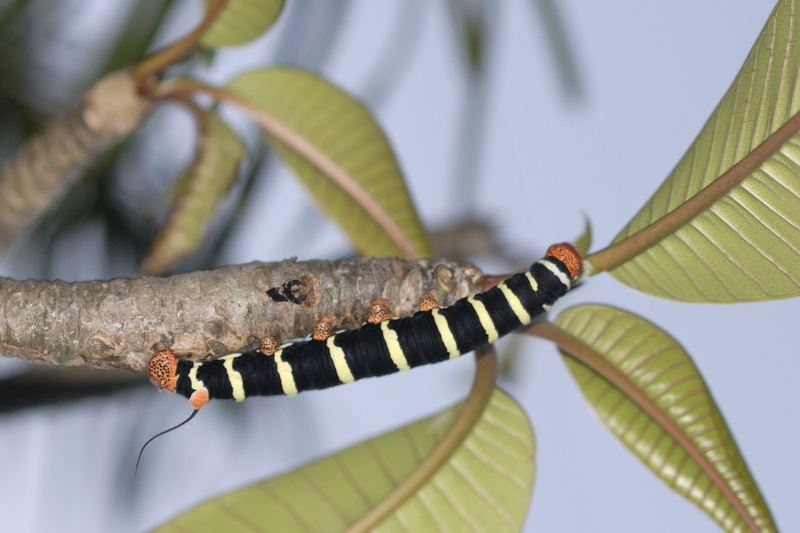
296 142
337 174
586 355
633 245
471 412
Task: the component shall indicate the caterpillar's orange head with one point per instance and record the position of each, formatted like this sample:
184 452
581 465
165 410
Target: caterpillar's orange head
162 370
567 254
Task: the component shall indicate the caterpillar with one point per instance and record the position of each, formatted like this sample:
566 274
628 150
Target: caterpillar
381 346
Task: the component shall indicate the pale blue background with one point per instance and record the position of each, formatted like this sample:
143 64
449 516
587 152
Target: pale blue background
653 72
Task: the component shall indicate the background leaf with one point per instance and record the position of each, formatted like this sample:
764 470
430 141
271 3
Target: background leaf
338 150
217 156
744 246
584 240
241 21
485 485
647 390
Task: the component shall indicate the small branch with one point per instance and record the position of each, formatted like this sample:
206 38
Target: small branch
119 323
43 169
628 248
155 63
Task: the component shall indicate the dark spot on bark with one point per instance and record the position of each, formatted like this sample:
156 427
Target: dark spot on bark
300 291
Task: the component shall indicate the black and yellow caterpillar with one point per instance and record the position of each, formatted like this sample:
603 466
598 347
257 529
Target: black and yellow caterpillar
375 349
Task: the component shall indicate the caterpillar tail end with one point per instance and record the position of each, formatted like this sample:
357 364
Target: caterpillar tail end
567 254
163 370
199 398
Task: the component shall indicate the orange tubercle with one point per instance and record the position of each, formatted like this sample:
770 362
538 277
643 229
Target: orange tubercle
322 329
199 398
567 254
162 370
270 344
428 301
378 312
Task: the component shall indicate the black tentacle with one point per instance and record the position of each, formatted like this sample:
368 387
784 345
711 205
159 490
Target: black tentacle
136 470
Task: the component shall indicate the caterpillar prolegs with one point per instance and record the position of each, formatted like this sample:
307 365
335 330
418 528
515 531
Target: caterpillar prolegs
381 346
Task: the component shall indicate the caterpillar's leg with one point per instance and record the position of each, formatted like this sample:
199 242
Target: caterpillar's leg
428 301
378 312
323 329
270 344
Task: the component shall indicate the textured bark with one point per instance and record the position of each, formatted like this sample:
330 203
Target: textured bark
119 323
44 168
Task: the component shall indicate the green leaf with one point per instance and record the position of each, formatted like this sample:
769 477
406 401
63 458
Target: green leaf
340 153
484 485
217 156
240 21
647 390
733 229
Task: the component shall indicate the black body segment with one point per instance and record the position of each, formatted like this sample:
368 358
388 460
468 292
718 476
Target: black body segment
391 346
365 351
419 339
259 374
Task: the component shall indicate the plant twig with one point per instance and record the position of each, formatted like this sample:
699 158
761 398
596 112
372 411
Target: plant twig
43 169
155 63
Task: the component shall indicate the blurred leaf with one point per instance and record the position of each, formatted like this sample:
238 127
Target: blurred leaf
647 390
471 26
338 150
240 21
135 37
584 242
217 156
483 485
730 233
557 35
